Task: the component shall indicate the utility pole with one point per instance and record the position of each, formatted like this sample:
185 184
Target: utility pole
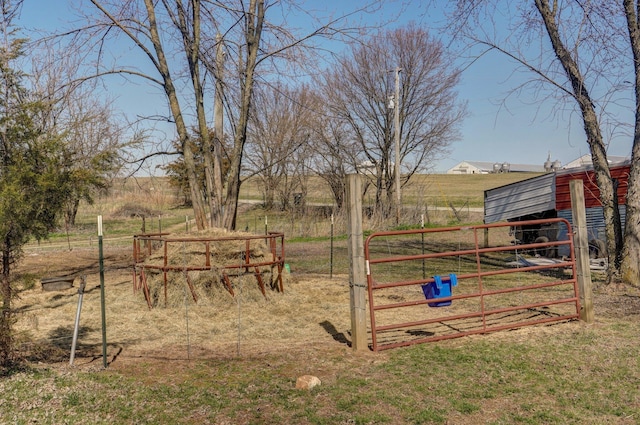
396 124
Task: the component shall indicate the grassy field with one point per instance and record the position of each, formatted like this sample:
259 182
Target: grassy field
150 204
236 360
425 189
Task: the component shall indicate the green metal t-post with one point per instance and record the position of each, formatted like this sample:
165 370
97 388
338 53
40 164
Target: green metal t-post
331 257
102 304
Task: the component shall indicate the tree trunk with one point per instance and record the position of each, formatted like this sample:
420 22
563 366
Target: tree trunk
630 267
255 19
218 137
269 193
338 189
613 228
6 337
379 202
191 41
71 212
195 188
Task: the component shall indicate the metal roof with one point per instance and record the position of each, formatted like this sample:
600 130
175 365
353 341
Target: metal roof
522 198
548 192
489 167
620 172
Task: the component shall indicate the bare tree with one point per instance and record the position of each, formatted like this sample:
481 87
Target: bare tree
96 140
332 153
186 31
578 56
358 89
140 23
94 136
277 130
629 268
263 43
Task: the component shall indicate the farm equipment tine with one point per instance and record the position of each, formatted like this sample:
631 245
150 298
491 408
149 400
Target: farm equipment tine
260 282
191 288
145 286
281 286
227 283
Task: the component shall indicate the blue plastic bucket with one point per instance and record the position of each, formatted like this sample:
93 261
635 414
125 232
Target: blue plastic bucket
440 288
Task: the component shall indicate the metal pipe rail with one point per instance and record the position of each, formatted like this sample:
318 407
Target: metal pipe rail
146 244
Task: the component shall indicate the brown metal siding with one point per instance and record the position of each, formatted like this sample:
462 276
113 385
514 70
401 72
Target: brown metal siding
591 191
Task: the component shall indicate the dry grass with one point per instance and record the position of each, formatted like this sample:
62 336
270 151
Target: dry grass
218 323
310 297
235 359
429 189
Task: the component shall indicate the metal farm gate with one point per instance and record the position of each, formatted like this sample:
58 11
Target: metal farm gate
433 284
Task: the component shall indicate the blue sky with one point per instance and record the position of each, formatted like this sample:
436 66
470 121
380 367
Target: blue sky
523 133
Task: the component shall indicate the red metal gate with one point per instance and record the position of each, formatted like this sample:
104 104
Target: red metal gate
432 284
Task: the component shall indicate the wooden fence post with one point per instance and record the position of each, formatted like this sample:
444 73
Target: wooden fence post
357 276
581 244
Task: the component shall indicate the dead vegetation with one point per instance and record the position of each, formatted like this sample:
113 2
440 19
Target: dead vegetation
305 329
131 210
313 309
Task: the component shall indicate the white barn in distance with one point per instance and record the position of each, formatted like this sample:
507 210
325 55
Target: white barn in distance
585 160
479 167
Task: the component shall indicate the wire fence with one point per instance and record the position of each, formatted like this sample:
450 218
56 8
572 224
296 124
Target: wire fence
316 244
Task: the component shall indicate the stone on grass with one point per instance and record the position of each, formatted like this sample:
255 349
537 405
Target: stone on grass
306 382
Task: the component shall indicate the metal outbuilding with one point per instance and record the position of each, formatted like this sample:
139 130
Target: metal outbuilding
530 197
548 196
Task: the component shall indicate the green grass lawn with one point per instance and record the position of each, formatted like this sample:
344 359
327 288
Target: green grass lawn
567 373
